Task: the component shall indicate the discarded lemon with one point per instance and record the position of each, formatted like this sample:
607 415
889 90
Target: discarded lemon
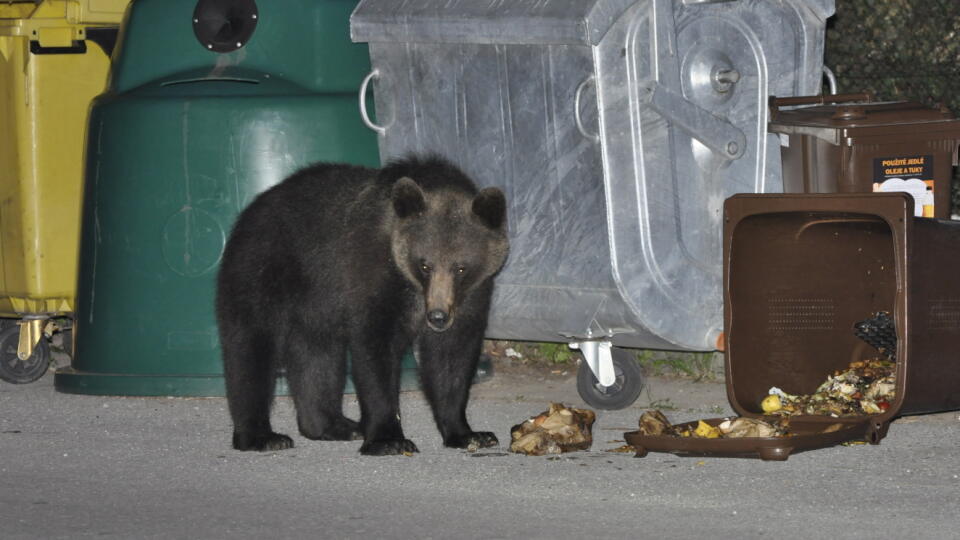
771 403
706 431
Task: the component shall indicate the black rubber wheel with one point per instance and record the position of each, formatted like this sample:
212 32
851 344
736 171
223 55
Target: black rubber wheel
622 393
12 368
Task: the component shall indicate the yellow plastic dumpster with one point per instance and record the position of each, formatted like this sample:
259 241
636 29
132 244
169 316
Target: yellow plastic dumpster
54 59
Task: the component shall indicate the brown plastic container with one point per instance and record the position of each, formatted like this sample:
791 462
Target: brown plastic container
860 146
799 271
808 434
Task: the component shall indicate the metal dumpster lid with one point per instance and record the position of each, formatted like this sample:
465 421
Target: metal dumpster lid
571 22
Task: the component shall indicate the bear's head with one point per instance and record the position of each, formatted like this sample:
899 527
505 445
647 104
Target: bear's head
446 241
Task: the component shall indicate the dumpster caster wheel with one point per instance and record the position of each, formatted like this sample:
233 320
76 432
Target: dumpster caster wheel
17 371
624 390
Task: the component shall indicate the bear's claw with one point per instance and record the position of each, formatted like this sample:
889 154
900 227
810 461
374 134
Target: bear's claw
478 439
388 447
343 429
262 443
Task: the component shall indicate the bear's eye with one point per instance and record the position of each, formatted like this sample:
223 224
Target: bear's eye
461 269
425 268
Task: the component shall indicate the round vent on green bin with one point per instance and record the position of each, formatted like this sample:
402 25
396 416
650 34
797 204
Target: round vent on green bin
224 25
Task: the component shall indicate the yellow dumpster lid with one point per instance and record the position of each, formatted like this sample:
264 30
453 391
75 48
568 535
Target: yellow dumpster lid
28 13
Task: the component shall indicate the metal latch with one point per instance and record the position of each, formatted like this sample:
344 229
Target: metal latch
714 132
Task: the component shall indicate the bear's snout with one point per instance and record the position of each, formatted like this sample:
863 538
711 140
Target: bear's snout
438 320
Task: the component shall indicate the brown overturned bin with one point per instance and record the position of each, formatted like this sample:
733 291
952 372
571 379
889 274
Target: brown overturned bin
849 144
799 271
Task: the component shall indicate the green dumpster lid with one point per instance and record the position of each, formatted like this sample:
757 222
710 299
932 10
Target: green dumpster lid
302 41
229 81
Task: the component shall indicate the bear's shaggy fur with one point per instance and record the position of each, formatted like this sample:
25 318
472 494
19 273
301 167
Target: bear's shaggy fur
340 259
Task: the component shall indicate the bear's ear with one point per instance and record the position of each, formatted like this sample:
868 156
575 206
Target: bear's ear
407 198
491 207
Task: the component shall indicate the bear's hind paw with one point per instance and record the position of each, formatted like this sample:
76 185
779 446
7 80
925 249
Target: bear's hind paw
262 443
476 439
341 430
388 447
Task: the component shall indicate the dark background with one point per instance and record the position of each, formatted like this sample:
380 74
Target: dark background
900 50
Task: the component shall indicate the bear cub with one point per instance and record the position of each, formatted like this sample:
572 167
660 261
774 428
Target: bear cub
340 259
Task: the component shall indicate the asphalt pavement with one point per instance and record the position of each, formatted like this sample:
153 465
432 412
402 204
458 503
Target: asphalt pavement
122 467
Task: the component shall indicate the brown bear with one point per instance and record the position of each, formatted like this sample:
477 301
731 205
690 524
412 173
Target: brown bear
339 260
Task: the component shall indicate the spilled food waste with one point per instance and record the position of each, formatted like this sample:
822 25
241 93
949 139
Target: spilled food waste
865 387
841 410
557 430
654 423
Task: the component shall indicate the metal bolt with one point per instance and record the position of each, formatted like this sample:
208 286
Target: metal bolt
724 79
731 76
733 148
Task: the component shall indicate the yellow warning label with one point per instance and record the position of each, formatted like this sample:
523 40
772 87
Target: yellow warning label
912 174
913 166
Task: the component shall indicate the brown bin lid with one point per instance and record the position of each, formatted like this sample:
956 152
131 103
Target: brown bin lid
837 121
892 113
808 434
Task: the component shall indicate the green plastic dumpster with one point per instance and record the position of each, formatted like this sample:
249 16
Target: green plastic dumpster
208 104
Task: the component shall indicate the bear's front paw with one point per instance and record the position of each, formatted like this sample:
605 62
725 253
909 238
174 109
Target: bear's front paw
476 439
261 442
388 447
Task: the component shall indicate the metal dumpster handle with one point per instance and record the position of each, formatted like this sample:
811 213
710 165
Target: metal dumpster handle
714 132
831 80
363 102
595 137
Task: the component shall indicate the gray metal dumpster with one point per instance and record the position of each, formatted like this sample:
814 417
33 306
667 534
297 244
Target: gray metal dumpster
617 128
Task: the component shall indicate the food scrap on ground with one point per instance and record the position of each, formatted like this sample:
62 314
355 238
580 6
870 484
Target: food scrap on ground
622 449
865 387
556 430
